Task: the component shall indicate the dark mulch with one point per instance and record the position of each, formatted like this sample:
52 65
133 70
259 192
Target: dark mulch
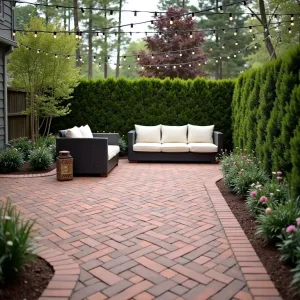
25 169
31 283
270 257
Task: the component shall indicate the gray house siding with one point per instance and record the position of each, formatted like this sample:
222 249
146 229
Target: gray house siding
6 41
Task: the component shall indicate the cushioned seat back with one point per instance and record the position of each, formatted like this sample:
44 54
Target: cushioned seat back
174 134
62 133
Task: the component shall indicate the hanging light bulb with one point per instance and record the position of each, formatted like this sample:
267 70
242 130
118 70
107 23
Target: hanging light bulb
190 65
82 9
38 50
176 33
138 57
68 57
157 67
124 58
131 25
205 62
223 46
135 13
167 55
129 67
35 34
214 33
236 42
14 33
230 17
255 46
99 64
221 9
252 16
193 52
143 68
290 30
199 64
179 66
292 17
236 32
211 49
94 59
55 55
191 34
174 67
292 23
217 61
253 37
224 31
165 67
152 55
180 54
80 35
160 33
54 35
171 20
193 16
250 28
228 57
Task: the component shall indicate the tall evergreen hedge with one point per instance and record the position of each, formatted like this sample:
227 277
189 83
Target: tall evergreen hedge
266 114
116 105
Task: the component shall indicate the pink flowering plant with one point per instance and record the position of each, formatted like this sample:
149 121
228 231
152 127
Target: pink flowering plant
15 244
240 169
278 218
276 191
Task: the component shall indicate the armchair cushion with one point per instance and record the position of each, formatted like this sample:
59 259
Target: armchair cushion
200 134
148 134
73 133
174 134
86 131
113 150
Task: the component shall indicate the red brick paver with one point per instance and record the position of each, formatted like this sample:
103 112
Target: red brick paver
147 231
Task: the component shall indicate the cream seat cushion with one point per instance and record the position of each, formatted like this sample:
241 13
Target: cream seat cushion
148 134
200 134
86 131
147 147
203 147
175 147
74 133
174 134
112 150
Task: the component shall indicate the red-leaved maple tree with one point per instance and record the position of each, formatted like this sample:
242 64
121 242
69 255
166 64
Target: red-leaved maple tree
175 50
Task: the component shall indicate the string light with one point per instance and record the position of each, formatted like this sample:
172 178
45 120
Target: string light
38 50
135 13
180 54
82 10
223 46
236 43
55 55
174 67
191 34
221 9
193 52
138 58
190 65
236 32
131 25
290 30
224 31
292 17
230 17
68 57
176 33
54 35
214 33
111 12
253 37
152 55
14 33
129 67
35 34
252 16
250 28
171 20
193 16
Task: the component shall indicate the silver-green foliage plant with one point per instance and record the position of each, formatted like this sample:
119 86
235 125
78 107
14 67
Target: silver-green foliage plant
15 245
40 158
40 65
11 159
24 145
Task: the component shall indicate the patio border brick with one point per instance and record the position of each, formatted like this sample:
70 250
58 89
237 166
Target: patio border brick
234 232
50 173
64 280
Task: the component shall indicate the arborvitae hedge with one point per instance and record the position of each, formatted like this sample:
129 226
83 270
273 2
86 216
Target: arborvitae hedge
266 113
116 105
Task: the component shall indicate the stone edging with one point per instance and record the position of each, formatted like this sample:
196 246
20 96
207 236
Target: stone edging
66 274
50 173
260 285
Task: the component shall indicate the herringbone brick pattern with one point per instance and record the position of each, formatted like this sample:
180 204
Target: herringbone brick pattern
148 231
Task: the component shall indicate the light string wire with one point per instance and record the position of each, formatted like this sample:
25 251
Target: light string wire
58 6
138 56
166 18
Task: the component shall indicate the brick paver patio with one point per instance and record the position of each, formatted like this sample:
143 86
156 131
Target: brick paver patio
147 231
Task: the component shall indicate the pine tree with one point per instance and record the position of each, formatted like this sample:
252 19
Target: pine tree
166 4
222 44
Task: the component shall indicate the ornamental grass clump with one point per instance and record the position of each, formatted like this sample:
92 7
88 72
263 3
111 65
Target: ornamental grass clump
275 189
14 242
11 159
40 158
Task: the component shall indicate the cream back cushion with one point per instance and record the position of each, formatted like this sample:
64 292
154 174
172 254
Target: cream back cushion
86 131
200 134
148 134
174 134
74 132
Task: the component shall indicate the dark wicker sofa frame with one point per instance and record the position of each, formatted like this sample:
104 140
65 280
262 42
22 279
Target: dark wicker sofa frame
136 156
90 154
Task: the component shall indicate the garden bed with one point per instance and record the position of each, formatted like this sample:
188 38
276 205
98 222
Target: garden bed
270 257
31 283
26 169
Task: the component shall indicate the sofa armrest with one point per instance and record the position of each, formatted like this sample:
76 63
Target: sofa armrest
113 138
131 138
218 140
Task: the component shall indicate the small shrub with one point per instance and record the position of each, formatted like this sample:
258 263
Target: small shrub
123 146
275 190
296 278
24 145
40 158
277 219
10 160
14 242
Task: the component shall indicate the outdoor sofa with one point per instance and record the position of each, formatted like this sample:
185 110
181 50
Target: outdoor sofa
94 154
188 143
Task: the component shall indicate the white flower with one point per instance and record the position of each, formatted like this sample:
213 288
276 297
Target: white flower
9 243
274 173
253 184
7 218
278 190
271 194
7 233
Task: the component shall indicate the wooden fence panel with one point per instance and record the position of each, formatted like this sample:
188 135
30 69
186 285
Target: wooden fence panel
18 123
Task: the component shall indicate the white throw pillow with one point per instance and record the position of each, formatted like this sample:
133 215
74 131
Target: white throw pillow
174 134
200 134
74 132
148 134
86 131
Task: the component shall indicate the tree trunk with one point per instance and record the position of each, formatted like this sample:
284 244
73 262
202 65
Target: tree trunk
31 115
183 4
76 28
105 43
90 42
69 19
119 41
65 18
267 39
46 12
218 67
